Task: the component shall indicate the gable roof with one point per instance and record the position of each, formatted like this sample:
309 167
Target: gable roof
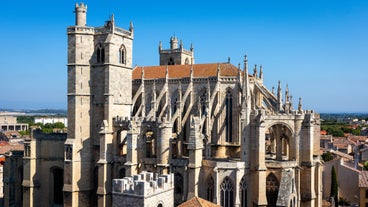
182 71
198 202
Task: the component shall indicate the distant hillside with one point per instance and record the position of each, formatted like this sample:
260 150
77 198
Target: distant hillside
60 112
335 116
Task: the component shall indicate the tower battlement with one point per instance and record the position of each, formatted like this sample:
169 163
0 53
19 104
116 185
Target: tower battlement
143 184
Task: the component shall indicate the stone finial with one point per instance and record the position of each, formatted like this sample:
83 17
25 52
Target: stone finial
287 94
142 75
300 105
260 72
273 90
279 96
112 18
191 47
131 27
255 71
291 101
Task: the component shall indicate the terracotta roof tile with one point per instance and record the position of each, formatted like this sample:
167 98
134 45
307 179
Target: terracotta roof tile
198 202
181 71
11 147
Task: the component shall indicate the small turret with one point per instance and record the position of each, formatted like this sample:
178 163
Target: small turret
173 43
160 46
80 14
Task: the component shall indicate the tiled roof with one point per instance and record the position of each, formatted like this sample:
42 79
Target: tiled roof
198 202
357 138
181 71
11 147
363 179
10 134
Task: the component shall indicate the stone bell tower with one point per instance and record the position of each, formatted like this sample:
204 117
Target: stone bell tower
176 55
99 88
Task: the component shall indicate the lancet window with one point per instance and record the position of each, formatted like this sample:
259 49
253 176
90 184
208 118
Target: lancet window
227 193
229 116
122 55
243 193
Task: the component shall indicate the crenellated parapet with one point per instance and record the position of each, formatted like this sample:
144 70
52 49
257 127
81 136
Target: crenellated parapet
143 184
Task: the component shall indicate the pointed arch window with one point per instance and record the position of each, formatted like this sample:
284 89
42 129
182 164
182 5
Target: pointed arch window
229 116
100 53
186 61
171 61
243 193
227 193
122 55
150 145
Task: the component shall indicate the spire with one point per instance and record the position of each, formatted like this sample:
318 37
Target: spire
273 90
291 102
131 28
279 96
255 71
142 75
228 60
245 64
287 94
191 47
112 19
246 91
260 72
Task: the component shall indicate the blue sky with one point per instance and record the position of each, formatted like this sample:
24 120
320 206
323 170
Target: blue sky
318 47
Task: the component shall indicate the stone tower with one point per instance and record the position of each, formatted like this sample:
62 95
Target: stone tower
99 88
176 55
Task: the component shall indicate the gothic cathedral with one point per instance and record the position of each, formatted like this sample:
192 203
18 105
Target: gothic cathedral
220 133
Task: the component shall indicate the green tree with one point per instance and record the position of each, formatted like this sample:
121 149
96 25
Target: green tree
365 166
58 125
327 156
334 186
